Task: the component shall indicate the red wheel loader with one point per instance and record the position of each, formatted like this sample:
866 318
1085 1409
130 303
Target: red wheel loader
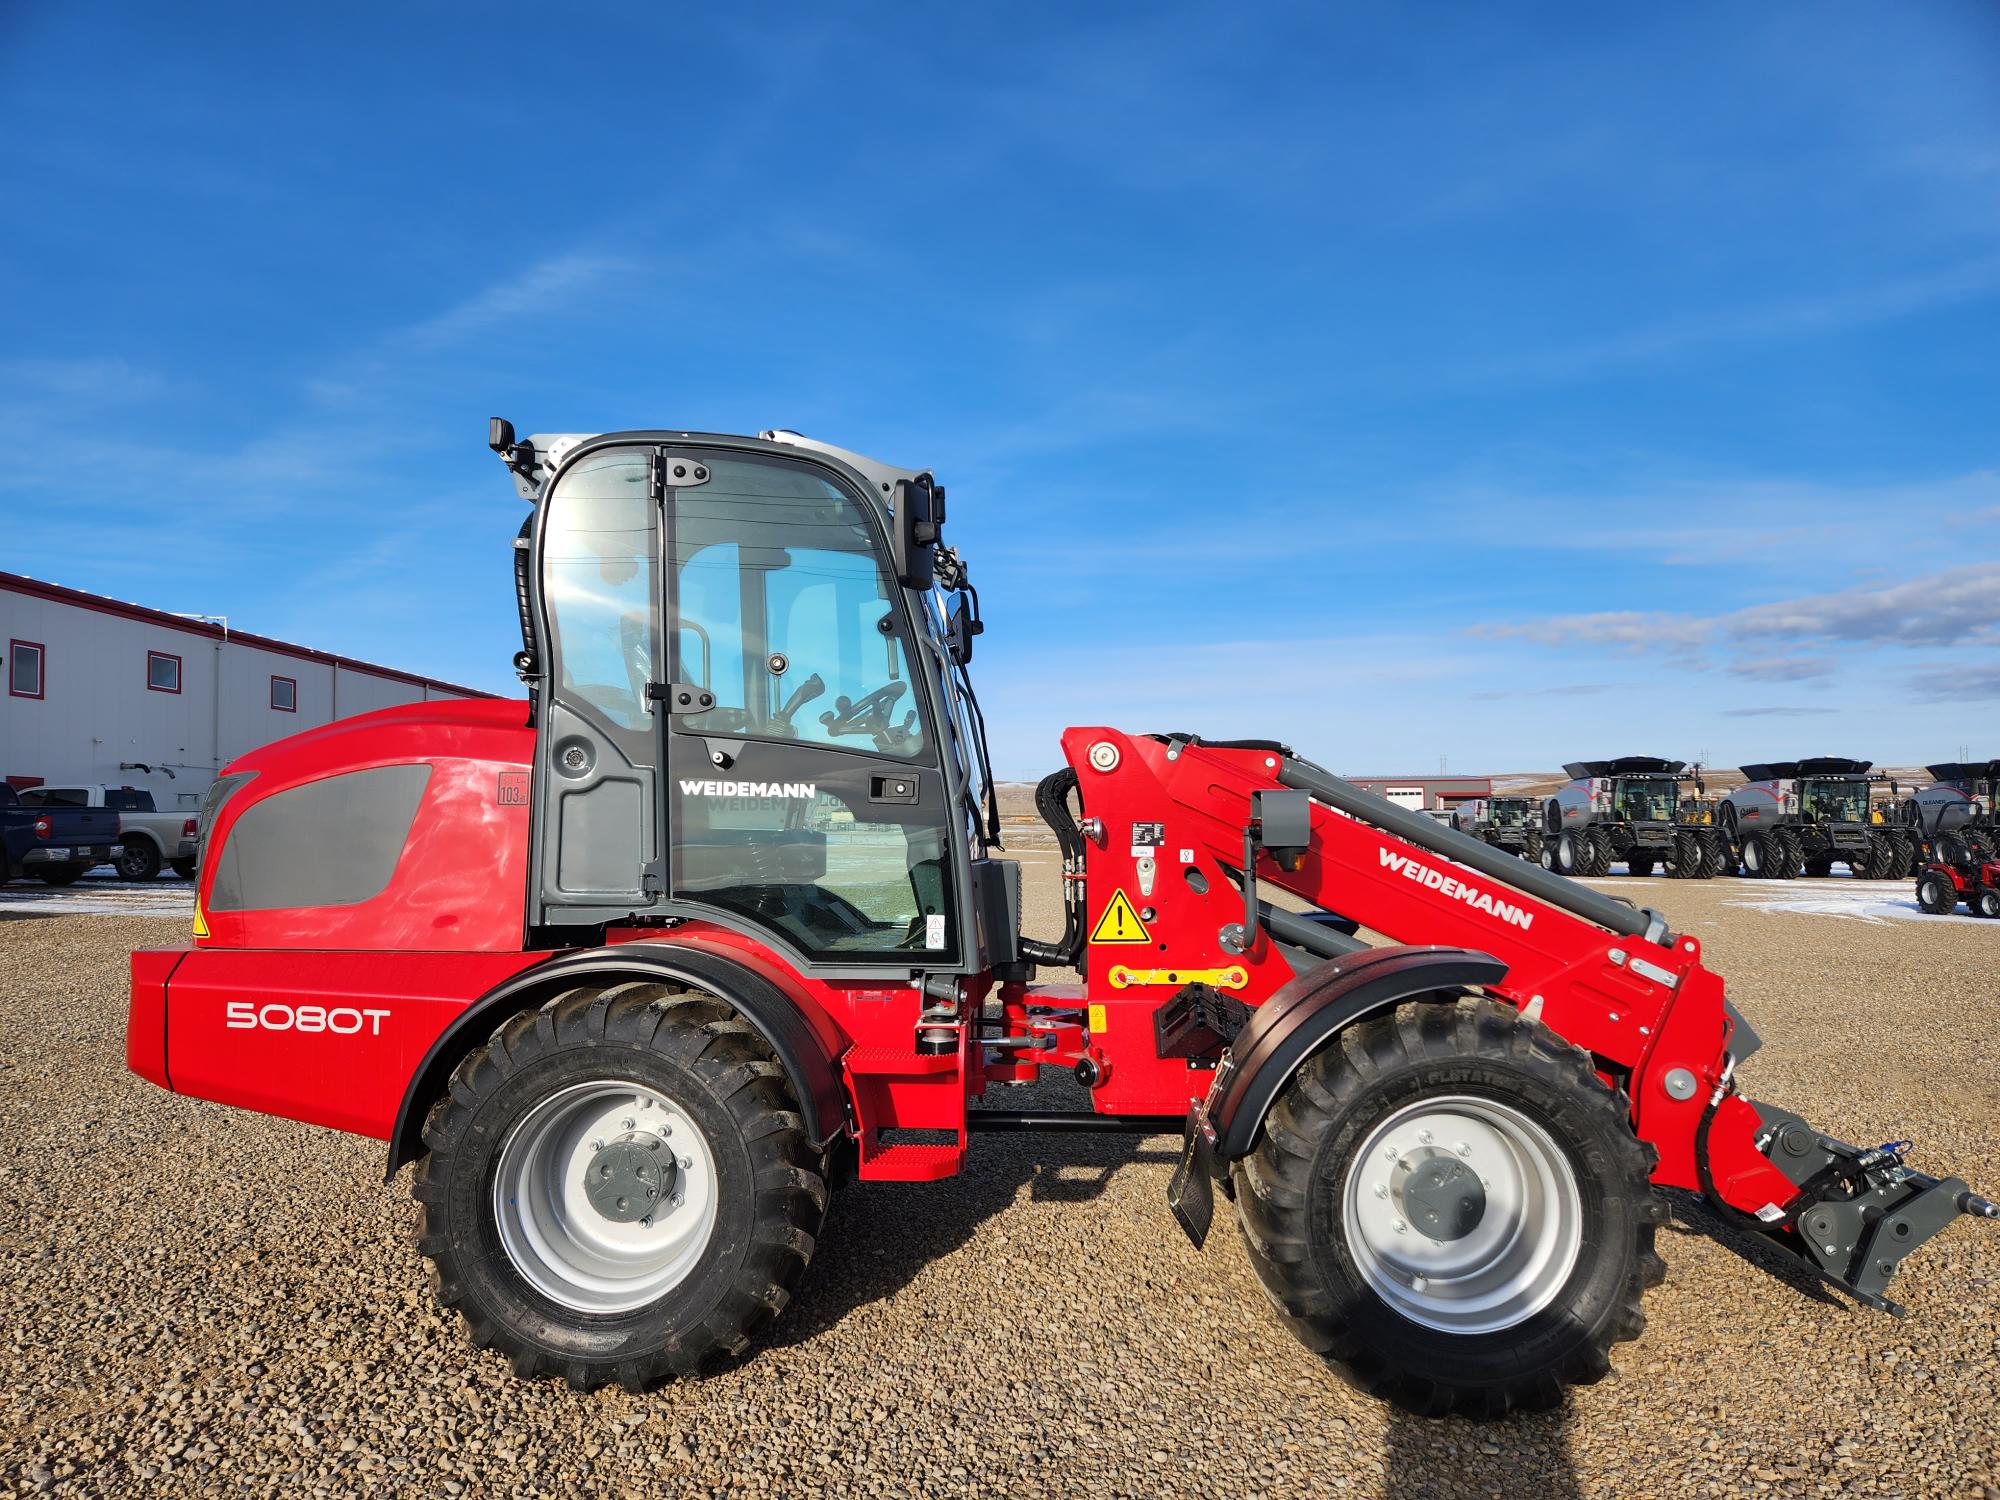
631 972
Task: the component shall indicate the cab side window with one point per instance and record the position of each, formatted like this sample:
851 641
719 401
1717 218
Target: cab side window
599 542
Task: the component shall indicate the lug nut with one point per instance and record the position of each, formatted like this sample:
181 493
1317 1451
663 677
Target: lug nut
1424 1136
687 1161
631 1124
1390 1152
1381 1189
1418 1283
1399 1226
1463 1148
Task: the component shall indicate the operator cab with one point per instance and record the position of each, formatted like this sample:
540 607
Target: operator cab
1645 799
749 705
1835 799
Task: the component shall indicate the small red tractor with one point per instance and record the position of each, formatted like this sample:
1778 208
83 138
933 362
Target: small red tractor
1960 876
634 971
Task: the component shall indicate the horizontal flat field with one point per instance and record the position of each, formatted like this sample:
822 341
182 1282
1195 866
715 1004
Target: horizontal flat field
201 1302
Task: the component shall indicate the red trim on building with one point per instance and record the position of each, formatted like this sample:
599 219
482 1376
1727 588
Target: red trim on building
41 670
153 656
293 684
55 593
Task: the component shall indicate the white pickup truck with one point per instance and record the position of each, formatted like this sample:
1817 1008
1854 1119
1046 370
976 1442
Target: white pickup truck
148 838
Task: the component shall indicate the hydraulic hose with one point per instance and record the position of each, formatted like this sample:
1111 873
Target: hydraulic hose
1052 795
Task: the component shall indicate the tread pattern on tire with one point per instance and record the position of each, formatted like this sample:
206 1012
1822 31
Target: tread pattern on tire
1273 1183
706 1036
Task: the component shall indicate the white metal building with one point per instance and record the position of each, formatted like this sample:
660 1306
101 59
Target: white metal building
98 690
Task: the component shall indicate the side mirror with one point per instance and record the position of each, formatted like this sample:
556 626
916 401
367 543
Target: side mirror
917 519
499 434
963 624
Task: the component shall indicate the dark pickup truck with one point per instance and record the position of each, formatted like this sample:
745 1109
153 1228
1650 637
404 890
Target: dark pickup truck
55 844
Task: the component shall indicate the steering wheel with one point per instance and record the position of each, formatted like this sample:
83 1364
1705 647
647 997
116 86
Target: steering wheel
870 715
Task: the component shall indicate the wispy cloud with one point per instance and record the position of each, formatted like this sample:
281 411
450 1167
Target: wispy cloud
1782 668
1966 281
1964 682
1776 712
1957 606
540 290
1560 690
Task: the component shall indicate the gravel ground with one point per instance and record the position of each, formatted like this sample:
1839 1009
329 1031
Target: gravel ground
205 1302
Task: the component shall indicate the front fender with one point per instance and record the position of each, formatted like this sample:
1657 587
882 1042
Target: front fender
1309 1012
807 1064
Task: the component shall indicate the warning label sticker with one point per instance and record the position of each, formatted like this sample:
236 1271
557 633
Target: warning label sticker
1119 924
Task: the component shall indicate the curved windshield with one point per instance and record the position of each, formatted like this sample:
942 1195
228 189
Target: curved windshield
1836 801
1648 800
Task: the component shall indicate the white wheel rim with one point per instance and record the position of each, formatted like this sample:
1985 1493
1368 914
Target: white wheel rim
566 1246
1517 1251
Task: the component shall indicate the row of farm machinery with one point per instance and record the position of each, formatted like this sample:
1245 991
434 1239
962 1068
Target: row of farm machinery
1787 819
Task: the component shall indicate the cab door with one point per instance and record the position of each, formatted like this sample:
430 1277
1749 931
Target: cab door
599 846
805 792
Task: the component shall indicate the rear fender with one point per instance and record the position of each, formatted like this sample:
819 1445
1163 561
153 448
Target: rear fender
1309 1012
808 1065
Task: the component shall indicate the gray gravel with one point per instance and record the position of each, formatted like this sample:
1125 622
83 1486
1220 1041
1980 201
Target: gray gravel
200 1301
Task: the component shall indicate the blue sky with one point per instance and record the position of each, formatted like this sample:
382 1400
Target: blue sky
1504 385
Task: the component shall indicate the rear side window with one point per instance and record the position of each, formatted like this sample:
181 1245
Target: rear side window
56 796
333 842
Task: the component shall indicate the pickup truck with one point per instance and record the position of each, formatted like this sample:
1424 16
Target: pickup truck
148 838
56 844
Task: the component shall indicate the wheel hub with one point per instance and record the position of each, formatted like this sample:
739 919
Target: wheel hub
605 1196
628 1178
1442 1198
1462 1214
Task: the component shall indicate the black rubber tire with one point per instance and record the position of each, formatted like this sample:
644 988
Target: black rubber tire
1531 846
1638 864
1572 854
185 868
717 1068
1718 856
60 874
1953 850
1936 895
1547 858
137 860
1787 859
1987 903
1819 867
1600 851
1757 857
1288 1207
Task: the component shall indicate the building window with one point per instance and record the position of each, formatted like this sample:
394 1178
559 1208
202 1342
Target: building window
24 669
163 672
285 694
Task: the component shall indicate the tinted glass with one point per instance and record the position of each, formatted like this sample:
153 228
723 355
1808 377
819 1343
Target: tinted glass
163 672
787 613
333 842
600 542
24 670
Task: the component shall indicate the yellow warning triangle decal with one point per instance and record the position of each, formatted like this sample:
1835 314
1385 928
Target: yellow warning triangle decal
1119 924
200 922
